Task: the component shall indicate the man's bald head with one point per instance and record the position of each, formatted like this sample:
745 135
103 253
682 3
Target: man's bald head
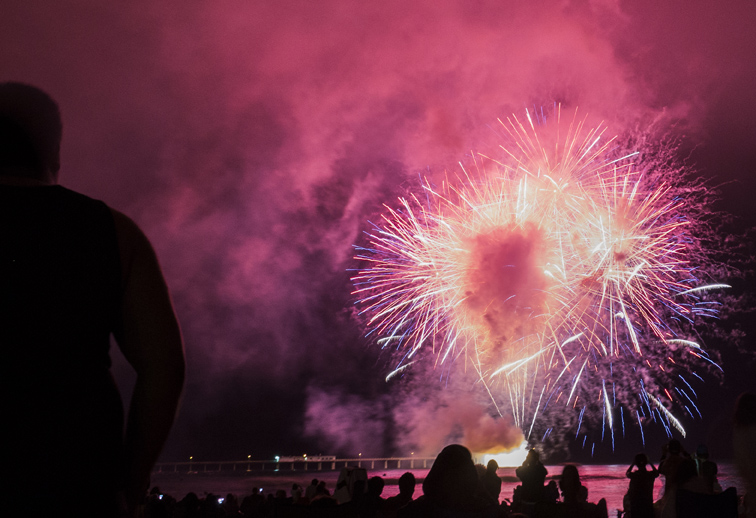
30 131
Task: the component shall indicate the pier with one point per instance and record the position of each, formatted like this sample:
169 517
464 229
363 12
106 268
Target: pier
288 464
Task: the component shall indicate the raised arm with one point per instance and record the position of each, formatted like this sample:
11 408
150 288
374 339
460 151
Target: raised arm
149 337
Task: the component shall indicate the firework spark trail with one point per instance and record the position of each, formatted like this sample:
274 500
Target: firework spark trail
559 250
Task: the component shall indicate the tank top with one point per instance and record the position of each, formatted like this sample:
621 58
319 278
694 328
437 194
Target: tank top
60 292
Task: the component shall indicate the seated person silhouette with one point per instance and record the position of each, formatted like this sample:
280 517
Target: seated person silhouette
452 489
532 474
574 496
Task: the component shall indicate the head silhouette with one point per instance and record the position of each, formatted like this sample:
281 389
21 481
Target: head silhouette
570 482
375 486
453 479
675 447
532 456
407 484
30 132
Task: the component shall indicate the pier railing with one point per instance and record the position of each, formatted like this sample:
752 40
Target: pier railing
242 466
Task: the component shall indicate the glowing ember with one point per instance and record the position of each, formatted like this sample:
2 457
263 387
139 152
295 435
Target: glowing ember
563 273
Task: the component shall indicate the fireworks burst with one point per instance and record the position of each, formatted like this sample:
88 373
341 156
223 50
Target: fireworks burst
564 271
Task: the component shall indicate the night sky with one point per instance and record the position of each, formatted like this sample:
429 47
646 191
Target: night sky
253 141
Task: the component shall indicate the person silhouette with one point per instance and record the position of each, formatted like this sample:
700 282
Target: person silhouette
673 458
575 497
572 488
744 447
392 504
532 474
73 273
451 488
312 489
491 481
371 505
640 493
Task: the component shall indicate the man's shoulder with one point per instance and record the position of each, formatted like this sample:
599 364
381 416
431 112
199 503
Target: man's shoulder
132 241
69 203
67 192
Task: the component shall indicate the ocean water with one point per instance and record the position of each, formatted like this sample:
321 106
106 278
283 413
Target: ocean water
602 481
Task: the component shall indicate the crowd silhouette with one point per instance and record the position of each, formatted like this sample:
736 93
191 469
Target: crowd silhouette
456 487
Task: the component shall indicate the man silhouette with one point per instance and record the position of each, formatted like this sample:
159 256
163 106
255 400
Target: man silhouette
640 493
532 474
73 272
